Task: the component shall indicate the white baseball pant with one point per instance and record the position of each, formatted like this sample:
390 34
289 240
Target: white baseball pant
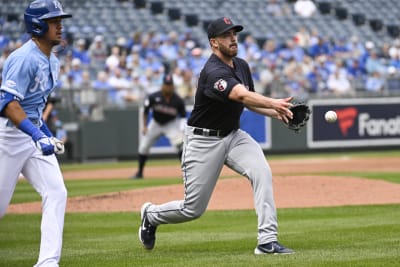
18 154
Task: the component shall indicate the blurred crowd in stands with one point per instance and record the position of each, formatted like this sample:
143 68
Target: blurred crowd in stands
307 65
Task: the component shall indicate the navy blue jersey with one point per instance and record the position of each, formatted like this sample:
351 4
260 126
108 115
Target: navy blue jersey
164 110
213 109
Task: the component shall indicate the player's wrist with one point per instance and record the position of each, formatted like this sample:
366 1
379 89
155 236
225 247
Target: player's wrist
45 129
30 129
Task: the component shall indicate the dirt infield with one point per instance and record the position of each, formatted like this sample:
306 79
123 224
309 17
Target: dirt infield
297 183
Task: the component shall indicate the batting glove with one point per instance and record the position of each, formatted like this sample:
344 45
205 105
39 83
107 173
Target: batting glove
58 146
46 145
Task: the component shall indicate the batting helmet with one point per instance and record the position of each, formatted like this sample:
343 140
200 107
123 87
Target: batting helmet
40 10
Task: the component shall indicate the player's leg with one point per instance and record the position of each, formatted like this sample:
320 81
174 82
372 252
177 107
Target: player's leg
153 133
175 136
247 158
202 161
44 174
15 148
10 169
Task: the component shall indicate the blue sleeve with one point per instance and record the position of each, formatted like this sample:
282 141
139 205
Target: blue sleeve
17 76
5 98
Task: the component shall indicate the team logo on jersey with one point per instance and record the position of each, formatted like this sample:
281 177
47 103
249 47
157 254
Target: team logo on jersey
10 84
220 85
41 79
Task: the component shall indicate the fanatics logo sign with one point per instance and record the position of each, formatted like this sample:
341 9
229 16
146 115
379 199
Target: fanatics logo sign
220 85
360 122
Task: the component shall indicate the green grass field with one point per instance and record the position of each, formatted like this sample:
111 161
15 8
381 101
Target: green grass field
337 236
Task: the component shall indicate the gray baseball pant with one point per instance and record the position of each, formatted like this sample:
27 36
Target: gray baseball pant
202 162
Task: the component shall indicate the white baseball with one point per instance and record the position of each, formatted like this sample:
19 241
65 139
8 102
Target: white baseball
330 116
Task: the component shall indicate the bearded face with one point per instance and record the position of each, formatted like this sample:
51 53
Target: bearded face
227 44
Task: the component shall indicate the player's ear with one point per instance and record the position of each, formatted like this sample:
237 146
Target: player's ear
213 43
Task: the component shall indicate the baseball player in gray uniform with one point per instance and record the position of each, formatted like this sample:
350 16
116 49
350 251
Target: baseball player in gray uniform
213 139
26 144
169 119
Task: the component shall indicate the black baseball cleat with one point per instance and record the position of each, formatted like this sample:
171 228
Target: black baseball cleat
272 248
147 232
138 175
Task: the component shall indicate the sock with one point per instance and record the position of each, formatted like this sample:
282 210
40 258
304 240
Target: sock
142 162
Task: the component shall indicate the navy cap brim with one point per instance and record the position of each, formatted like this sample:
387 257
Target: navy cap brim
237 28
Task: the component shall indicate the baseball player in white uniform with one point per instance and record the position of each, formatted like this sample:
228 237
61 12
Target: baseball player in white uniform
169 119
27 146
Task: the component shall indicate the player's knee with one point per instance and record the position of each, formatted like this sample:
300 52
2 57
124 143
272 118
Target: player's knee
194 212
59 194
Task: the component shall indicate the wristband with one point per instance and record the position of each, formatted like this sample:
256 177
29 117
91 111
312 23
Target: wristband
45 129
30 129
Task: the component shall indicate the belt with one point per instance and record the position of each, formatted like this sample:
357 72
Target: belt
210 132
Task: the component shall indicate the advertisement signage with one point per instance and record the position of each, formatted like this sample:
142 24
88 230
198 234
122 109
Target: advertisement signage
360 122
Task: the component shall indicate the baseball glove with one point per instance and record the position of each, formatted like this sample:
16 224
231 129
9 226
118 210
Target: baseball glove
301 114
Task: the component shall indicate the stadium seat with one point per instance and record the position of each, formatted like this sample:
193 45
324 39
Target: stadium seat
205 24
358 18
376 24
174 13
157 7
341 13
191 20
393 30
12 17
139 4
324 7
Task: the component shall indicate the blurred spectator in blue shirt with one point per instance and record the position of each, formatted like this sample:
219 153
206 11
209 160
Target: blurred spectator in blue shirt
168 48
135 40
291 50
374 82
395 61
101 82
80 51
76 73
374 63
98 53
269 53
340 48
320 48
196 61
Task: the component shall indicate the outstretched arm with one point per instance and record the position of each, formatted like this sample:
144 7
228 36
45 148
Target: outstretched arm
268 112
273 107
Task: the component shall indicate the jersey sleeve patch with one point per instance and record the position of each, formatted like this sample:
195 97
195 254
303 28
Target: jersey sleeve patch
220 85
10 86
